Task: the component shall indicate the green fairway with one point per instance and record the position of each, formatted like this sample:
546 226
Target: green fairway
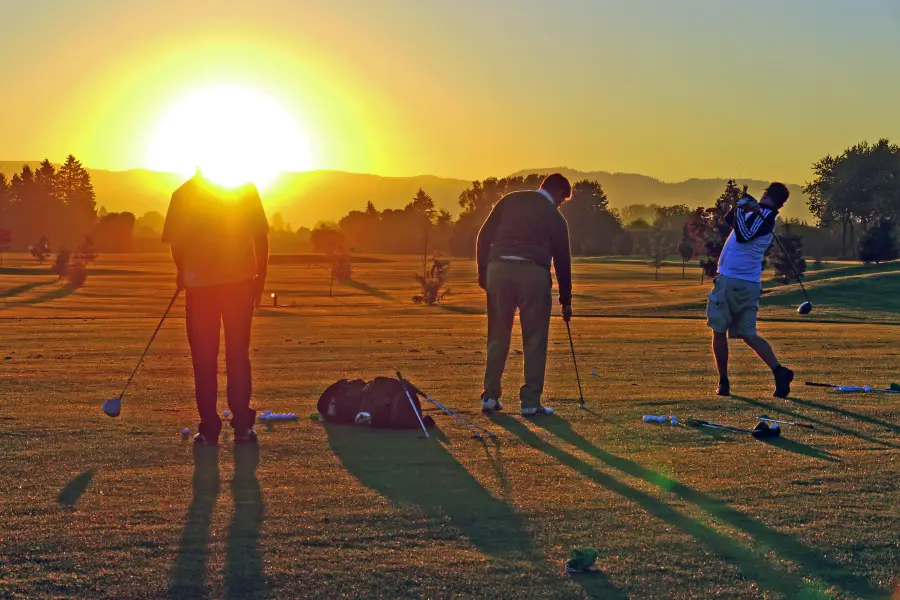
94 507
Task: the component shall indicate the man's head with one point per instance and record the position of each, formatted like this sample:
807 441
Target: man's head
776 195
558 187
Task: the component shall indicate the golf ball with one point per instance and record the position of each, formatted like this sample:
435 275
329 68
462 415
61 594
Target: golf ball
267 412
225 414
185 431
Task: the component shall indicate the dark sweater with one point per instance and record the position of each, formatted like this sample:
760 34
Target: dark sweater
529 225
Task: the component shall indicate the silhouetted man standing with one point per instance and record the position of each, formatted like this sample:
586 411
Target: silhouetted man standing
220 245
516 244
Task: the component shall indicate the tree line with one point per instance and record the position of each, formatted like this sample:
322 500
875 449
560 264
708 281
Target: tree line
56 208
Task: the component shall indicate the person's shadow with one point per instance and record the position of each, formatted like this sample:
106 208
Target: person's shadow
424 475
188 579
243 567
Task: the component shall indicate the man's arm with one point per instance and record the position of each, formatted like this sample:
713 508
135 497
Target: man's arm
562 263
485 239
259 226
178 257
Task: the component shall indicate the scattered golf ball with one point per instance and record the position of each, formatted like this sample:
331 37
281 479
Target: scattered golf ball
225 414
185 431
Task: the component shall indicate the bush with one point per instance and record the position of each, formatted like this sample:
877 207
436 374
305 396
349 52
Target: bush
432 284
77 274
61 266
878 244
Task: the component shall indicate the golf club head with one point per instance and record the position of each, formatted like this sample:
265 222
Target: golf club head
805 308
113 407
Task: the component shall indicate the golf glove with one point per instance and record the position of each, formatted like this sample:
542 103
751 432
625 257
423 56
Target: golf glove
567 313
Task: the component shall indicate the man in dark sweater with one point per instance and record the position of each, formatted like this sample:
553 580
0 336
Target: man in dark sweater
516 244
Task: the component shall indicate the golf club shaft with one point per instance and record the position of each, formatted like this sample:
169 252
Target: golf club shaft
793 268
794 423
411 403
456 417
814 384
575 362
152 337
453 413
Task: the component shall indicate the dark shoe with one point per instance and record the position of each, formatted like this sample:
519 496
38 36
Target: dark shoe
724 388
244 436
489 405
783 379
205 440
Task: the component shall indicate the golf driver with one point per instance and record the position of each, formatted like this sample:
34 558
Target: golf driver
575 362
761 431
114 407
794 423
806 307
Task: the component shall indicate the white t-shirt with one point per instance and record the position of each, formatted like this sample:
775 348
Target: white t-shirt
744 250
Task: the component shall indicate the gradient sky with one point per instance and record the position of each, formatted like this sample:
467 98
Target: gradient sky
468 88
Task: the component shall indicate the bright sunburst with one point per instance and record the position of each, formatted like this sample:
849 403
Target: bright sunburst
233 135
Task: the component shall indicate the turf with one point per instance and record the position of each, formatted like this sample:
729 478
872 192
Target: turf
94 507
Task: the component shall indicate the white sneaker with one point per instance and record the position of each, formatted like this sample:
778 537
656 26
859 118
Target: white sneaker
489 405
536 410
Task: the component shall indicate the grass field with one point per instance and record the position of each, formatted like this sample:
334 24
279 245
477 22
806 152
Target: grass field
94 507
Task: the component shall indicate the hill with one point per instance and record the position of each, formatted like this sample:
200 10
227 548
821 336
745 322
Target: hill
624 189
304 199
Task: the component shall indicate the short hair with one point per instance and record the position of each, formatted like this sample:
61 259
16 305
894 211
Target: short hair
778 192
557 183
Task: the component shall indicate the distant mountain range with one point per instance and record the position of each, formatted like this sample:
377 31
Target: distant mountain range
307 198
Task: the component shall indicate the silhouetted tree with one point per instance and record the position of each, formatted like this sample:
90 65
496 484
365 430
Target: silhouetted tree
41 249
593 228
658 247
5 243
422 206
332 244
61 264
114 233
878 244
687 246
858 188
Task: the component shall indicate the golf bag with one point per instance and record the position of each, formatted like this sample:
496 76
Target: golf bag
382 403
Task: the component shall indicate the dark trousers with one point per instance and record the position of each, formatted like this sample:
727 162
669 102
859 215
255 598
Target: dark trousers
208 308
525 286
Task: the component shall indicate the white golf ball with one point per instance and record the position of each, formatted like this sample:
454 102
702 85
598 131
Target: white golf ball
225 414
186 431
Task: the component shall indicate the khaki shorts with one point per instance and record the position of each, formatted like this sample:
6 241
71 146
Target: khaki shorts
732 307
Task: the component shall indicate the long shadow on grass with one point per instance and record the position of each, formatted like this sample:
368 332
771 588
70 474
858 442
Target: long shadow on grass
367 289
413 471
54 294
188 578
779 442
808 419
21 289
847 413
73 491
782 544
752 565
243 564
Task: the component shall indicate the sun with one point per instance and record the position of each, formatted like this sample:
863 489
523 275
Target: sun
233 135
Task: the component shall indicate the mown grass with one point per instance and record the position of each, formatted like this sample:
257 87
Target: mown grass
99 508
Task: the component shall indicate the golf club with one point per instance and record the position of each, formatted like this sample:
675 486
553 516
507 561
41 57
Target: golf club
458 417
771 420
852 389
114 407
761 431
411 402
575 362
806 307
814 384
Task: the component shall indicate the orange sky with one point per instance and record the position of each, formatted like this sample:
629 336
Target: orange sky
699 88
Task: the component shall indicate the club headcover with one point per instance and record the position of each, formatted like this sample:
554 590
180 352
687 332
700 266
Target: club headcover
766 431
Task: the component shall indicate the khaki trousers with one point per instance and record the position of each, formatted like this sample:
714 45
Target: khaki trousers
525 286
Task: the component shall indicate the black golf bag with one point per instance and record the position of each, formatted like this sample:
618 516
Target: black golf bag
381 403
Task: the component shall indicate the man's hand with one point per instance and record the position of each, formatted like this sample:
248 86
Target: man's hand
259 284
567 312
